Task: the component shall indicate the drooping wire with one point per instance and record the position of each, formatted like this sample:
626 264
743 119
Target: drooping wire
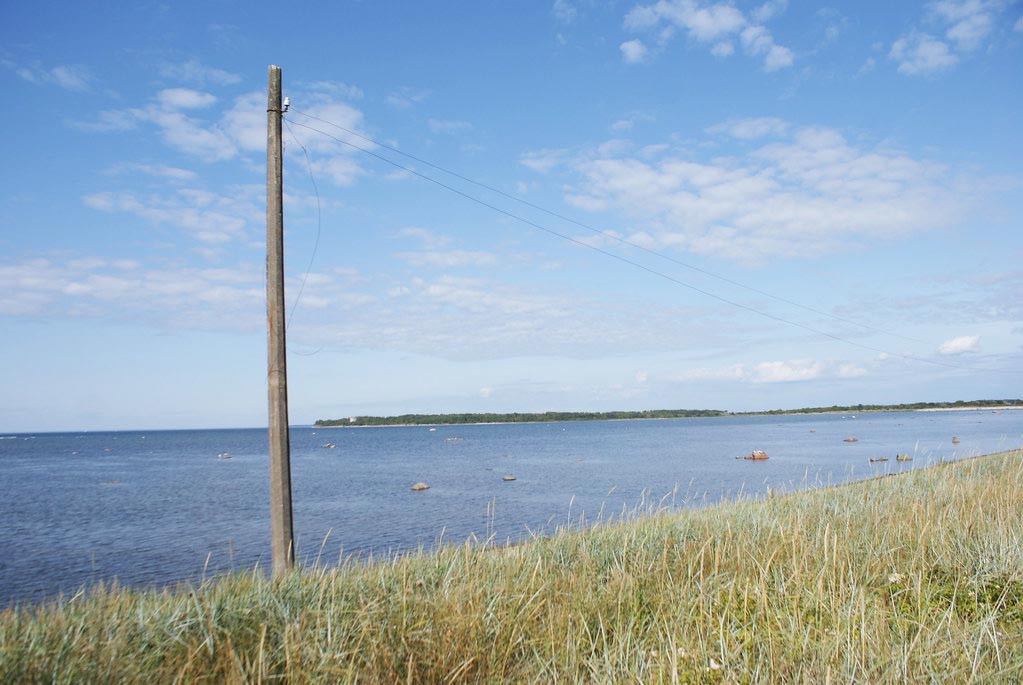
319 222
606 234
630 262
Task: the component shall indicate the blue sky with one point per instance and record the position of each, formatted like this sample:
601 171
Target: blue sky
850 168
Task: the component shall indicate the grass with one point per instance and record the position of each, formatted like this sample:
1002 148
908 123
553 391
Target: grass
917 577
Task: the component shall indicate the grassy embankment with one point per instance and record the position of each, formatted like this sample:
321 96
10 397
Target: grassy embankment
916 577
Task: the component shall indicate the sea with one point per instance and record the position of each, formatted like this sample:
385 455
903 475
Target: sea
157 508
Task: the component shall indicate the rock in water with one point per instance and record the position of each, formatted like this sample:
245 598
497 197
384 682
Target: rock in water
955 441
756 455
420 486
850 440
509 478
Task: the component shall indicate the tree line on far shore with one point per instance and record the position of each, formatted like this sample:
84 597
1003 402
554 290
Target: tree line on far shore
517 417
552 416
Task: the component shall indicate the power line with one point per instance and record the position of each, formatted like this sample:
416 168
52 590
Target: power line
606 234
319 222
630 262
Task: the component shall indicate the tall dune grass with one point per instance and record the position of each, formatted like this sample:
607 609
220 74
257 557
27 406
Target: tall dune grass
917 577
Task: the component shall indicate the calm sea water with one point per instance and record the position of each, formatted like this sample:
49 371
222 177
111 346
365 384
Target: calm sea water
157 507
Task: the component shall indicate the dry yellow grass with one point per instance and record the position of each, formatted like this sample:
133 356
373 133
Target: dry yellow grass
910 578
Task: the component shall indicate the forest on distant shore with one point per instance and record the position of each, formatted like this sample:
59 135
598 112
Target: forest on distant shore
552 416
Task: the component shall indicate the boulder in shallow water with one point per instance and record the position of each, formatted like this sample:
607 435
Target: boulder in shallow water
509 478
420 486
850 440
756 455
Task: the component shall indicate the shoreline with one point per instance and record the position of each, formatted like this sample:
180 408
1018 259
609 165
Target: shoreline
677 418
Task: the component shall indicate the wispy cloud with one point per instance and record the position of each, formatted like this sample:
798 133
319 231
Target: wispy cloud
447 316
427 238
448 259
194 72
564 11
629 122
919 53
448 126
542 161
752 128
162 171
634 51
197 124
787 371
960 345
210 218
965 25
715 24
182 297
405 97
71 77
806 192
334 89
184 98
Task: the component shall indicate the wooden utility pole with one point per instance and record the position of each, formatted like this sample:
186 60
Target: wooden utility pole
282 543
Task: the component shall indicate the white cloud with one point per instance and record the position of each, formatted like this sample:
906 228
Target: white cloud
969 21
777 57
543 161
769 10
967 25
448 126
788 371
448 259
723 49
806 193
191 135
919 53
334 89
207 217
752 128
757 41
1018 26
714 23
183 119
564 11
960 345
183 297
851 371
110 120
71 77
245 122
427 238
444 316
193 71
163 171
184 98
342 170
405 97
634 51
705 23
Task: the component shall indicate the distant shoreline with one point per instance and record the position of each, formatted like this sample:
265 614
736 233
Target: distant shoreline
430 420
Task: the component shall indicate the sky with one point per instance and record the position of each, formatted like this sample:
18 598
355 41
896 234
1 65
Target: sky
654 204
